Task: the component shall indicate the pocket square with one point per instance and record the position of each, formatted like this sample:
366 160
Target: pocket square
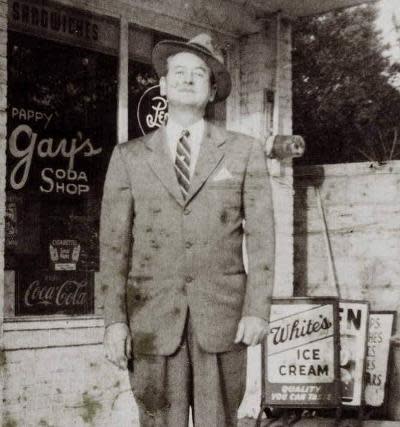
223 173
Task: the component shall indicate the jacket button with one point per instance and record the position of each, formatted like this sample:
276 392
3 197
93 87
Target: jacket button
186 211
188 245
189 279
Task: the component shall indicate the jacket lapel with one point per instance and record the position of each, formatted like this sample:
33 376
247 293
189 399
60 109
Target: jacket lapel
161 163
210 156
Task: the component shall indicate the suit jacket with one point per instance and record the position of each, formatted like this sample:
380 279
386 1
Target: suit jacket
161 255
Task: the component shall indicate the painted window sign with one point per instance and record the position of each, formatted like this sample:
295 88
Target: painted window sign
28 149
60 23
353 318
301 353
47 293
380 328
152 110
48 19
147 108
61 130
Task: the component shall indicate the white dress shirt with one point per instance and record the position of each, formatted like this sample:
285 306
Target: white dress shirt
174 132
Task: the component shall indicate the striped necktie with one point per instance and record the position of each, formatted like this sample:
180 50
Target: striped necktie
182 162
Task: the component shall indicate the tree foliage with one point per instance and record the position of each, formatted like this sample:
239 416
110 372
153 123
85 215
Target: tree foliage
343 102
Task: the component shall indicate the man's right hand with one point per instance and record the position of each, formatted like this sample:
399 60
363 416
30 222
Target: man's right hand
118 344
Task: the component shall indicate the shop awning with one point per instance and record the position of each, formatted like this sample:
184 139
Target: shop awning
297 8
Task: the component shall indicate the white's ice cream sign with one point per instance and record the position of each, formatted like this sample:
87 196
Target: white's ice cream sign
301 365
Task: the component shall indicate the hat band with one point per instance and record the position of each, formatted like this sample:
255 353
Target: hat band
203 48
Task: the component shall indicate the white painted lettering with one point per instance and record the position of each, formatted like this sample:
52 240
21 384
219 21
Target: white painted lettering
46 148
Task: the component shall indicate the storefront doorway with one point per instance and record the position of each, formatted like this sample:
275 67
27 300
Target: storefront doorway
63 100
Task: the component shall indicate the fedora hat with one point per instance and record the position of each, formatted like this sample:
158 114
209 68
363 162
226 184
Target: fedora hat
203 46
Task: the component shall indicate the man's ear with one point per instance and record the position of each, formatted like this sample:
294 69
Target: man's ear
213 92
163 86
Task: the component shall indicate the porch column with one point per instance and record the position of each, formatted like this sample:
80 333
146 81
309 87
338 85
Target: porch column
3 133
261 105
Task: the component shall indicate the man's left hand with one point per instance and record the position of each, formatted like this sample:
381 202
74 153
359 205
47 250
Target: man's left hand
251 330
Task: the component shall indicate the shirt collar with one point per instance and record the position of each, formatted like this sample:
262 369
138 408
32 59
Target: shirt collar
174 129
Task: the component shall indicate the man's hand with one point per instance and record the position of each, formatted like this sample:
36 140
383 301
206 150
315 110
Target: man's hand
251 330
118 345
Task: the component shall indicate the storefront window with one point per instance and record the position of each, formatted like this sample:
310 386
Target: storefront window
62 127
62 103
147 109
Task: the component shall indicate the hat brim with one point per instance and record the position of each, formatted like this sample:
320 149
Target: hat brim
167 48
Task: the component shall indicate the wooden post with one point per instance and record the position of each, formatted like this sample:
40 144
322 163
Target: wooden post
233 101
122 120
3 143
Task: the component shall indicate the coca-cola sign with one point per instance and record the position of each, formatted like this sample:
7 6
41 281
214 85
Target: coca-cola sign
302 353
46 293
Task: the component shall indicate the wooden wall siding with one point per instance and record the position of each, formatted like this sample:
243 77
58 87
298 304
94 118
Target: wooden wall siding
362 207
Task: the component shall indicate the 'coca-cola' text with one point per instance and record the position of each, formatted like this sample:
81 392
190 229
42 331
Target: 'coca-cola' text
70 292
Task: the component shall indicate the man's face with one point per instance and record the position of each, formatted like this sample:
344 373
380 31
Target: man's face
188 81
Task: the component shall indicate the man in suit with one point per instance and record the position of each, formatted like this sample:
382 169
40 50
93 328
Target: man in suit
176 206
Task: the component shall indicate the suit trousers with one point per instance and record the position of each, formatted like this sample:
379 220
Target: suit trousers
212 384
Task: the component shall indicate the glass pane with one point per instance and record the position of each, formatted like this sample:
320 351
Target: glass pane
62 104
145 103
147 109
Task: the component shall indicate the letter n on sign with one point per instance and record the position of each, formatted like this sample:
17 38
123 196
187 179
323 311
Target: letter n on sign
300 354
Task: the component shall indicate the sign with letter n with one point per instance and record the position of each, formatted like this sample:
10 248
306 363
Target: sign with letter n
353 318
300 354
